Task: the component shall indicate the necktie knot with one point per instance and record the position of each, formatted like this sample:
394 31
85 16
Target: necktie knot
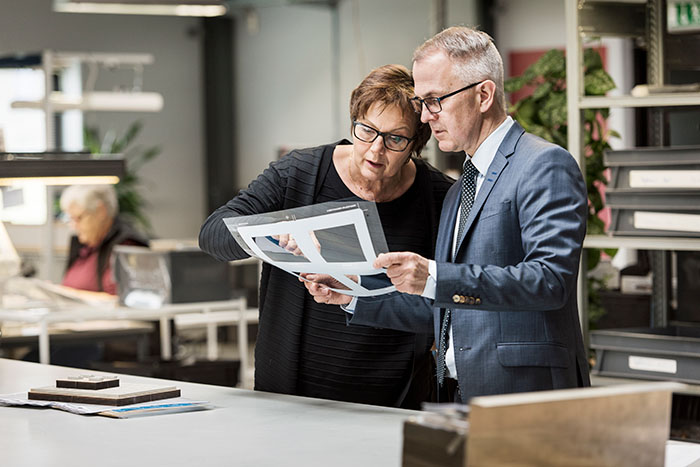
470 171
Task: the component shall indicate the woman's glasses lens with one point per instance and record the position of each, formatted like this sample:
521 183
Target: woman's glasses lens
368 134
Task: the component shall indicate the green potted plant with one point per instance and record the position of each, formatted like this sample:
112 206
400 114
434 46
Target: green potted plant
544 113
132 204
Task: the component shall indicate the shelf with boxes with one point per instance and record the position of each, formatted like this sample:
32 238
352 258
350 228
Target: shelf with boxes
654 192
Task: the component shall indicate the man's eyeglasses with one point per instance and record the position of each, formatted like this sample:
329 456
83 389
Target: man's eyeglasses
433 103
368 134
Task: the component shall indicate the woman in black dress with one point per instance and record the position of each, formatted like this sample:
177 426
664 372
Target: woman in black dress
303 347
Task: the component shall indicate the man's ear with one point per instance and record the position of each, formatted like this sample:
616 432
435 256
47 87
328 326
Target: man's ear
487 93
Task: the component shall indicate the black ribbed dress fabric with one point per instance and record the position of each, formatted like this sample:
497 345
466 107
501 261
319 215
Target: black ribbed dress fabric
305 348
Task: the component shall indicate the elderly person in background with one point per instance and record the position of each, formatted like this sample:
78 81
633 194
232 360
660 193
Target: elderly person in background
93 214
305 348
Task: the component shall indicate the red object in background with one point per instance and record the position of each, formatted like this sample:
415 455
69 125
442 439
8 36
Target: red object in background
518 61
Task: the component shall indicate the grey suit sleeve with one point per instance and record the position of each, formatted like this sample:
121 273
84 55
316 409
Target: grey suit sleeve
398 311
546 229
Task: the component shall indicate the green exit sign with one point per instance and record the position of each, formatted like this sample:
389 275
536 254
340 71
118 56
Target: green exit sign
683 16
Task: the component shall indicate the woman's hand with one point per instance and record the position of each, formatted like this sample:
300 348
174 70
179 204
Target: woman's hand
288 242
320 285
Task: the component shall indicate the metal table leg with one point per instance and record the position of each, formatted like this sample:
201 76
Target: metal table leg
165 346
44 346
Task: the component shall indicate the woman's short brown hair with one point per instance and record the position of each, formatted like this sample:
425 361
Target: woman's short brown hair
390 85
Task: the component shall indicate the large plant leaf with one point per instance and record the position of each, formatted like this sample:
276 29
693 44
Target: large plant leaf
542 90
514 84
593 256
91 139
598 82
559 110
120 144
553 113
551 63
591 60
541 131
527 112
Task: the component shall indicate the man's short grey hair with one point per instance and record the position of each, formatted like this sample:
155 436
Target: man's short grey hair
473 53
89 198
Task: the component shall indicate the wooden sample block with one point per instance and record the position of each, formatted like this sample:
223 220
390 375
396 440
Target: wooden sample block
433 445
88 382
595 427
125 394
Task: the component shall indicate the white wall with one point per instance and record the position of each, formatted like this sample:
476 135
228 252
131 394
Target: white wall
530 25
174 180
291 59
282 85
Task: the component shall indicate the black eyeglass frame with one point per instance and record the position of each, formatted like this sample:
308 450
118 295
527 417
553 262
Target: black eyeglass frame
408 140
416 100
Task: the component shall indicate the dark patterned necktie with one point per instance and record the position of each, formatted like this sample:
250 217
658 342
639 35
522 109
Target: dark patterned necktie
465 205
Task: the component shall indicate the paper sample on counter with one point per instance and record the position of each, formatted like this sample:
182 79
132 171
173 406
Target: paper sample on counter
172 405
339 239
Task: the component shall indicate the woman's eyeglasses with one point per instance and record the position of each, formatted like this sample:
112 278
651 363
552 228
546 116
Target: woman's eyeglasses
368 134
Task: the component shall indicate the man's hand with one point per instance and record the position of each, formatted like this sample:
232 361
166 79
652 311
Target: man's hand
319 286
407 271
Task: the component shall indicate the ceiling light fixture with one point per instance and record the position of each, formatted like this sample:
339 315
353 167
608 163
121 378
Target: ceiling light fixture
117 101
143 7
57 168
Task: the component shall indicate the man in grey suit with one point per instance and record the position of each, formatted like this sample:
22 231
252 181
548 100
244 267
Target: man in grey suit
500 295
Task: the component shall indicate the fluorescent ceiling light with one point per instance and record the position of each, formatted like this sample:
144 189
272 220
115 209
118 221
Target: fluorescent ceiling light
103 101
62 181
143 7
56 168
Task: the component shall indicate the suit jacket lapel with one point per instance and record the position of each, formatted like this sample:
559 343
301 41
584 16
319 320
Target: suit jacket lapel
500 161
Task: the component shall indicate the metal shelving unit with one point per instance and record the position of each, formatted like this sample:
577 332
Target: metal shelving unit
641 19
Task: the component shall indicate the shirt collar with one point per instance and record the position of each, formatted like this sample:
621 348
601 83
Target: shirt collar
484 155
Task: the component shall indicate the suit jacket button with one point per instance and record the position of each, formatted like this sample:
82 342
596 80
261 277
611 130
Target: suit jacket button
455 298
478 301
462 299
471 300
